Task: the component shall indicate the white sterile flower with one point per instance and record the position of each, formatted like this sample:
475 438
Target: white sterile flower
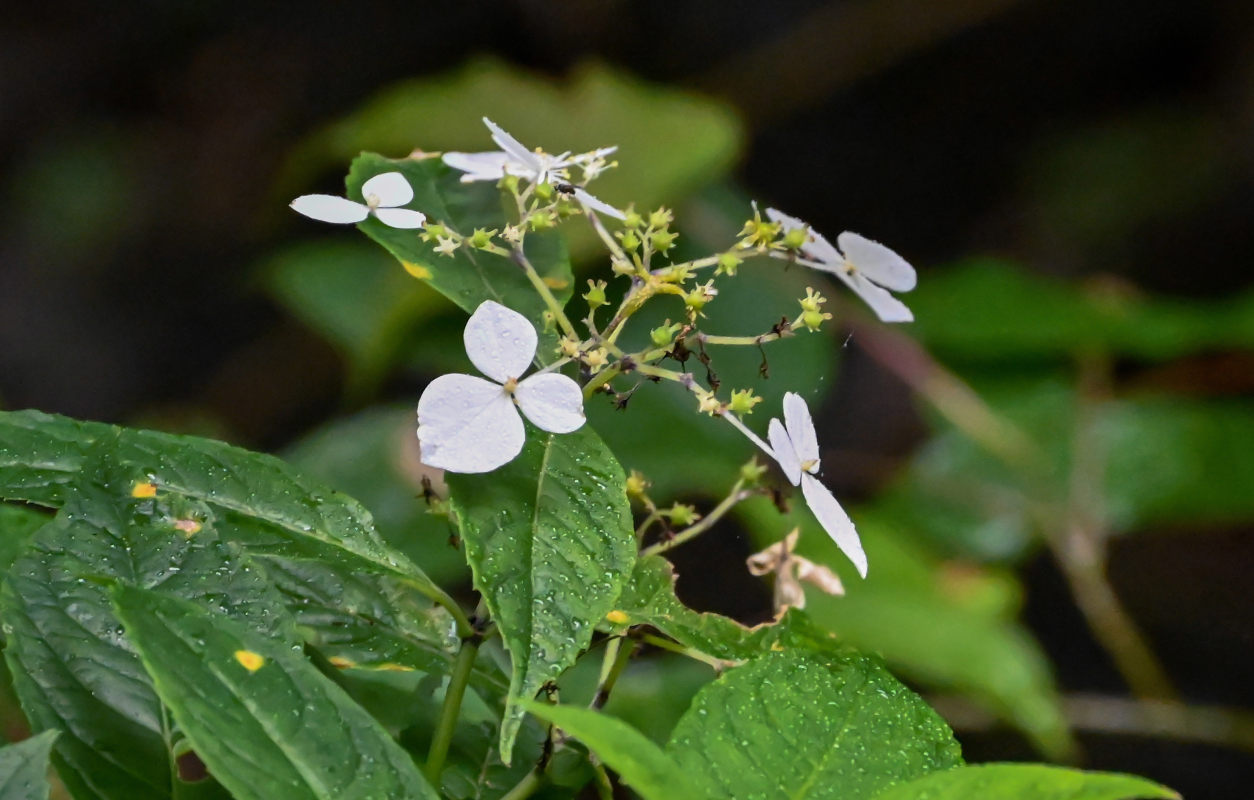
536 166
796 447
468 424
384 194
869 268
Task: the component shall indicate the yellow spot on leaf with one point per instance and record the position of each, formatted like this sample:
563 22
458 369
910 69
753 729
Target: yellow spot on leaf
417 270
187 526
144 489
340 662
777 647
249 660
556 283
617 617
391 667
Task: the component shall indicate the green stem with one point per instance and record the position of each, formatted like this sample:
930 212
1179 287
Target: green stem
690 652
738 493
605 789
600 379
525 788
451 709
546 295
612 666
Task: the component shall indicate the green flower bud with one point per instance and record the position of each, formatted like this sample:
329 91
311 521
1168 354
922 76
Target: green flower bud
727 264
629 239
682 515
632 219
661 218
595 294
544 191
814 319
540 220
751 471
481 238
663 240
432 231
796 238
743 401
622 267
509 183
665 334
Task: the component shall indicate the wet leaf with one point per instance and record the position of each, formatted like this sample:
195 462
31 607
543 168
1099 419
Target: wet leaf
1026 782
24 768
549 539
261 717
640 763
797 725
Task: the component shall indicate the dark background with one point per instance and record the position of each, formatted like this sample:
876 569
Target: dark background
1079 138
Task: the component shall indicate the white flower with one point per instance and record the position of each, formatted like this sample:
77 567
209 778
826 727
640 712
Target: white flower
468 424
869 268
534 165
796 447
384 194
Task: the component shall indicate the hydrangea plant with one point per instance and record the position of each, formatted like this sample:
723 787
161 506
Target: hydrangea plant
191 619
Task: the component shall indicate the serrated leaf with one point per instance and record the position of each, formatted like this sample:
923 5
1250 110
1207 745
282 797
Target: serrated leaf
797 725
24 768
640 763
262 718
1026 782
469 276
319 545
549 539
73 670
649 599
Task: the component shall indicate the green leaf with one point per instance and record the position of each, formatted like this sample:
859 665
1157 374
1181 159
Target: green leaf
42 454
640 763
17 524
671 142
469 276
72 669
796 725
24 768
373 456
649 599
1026 782
343 582
949 625
975 311
262 718
549 539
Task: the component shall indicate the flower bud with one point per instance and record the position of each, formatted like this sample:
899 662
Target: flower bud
568 346
709 404
727 264
596 359
796 238
682 515
637 484
540 220
544 191
481 238
595 295
621 266
663 240
743 401
661 218
700 296
509 183
629 239
432 231
665 334
632 219
751 471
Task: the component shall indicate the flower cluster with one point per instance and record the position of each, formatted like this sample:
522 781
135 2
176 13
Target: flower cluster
473 424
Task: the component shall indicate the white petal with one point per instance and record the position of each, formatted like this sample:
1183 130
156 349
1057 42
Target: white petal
834 520
500 341
588 201
553 402
818 247
329 208
784 452
801 429
488 166
400 217
885 306
467 424
512 146
877 262
390 187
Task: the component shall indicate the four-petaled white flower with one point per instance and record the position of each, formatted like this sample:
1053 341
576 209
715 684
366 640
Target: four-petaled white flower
468 424
534 165
869 268
384 194
796 447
